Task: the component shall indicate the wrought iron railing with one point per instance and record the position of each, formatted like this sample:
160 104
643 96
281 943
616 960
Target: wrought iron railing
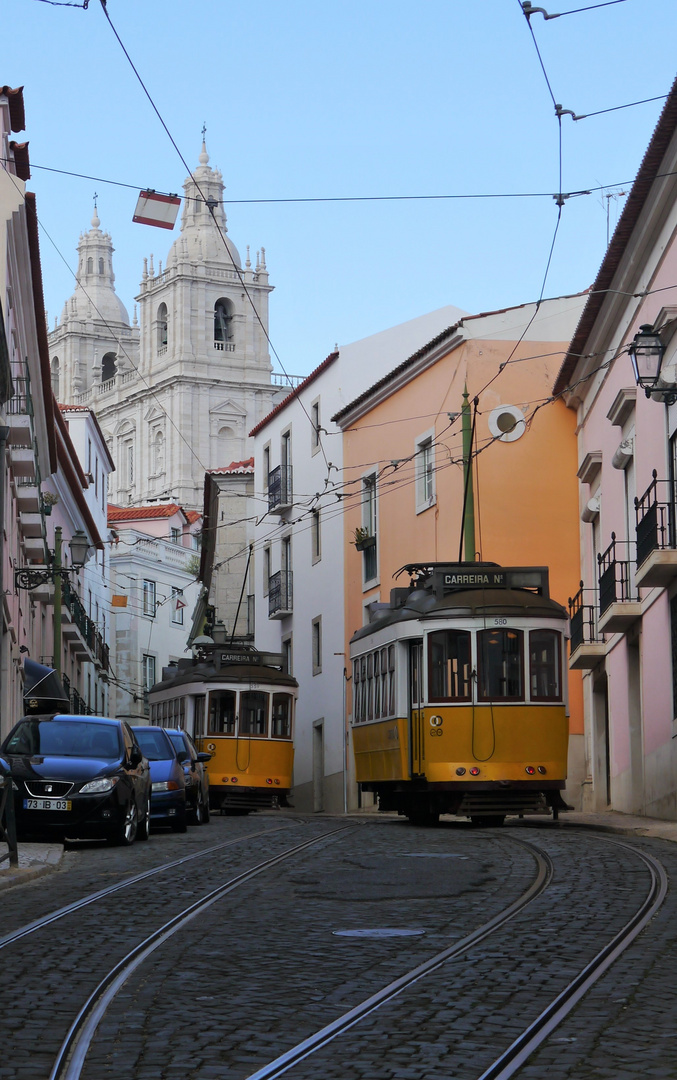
655 518
21 402
583 618
280 489
280 592
615 581
85 625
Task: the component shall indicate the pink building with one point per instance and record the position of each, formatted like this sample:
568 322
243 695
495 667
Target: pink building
624 619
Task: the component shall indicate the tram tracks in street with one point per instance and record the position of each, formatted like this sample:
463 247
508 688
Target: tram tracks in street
509 1063
73 1052
110 890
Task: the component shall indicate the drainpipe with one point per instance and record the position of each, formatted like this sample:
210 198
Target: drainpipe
4 436
57 600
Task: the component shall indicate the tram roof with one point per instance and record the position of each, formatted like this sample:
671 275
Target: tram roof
479 601
203 671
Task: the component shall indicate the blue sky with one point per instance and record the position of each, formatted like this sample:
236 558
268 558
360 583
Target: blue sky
305 100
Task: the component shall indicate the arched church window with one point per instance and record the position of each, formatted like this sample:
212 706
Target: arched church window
162 326
55 377
101 266
223 323
108 367
90 266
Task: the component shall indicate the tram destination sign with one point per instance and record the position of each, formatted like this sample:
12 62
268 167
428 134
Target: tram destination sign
450 578
264 659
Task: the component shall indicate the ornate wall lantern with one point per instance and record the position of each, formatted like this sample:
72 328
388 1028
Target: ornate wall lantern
646 353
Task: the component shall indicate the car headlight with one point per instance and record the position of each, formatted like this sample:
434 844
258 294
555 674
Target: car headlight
100 786
165 785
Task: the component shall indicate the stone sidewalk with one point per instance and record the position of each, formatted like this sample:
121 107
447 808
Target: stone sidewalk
35 860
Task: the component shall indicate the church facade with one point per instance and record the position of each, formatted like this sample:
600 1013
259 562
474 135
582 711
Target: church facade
177 390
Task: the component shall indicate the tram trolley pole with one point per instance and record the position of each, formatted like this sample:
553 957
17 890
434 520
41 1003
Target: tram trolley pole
7 819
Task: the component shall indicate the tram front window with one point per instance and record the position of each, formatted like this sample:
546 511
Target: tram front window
501 665
254 713
449 665
281 716
544 665
222 712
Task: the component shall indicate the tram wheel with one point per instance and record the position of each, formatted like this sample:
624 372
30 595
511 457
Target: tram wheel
487 821
424 819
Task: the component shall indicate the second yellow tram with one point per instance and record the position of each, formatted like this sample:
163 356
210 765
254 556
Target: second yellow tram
238 704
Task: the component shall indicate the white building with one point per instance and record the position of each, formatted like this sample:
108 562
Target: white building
177 392
299 570
154 567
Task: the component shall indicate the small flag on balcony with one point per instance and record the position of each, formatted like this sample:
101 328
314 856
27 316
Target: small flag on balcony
154 209
118 601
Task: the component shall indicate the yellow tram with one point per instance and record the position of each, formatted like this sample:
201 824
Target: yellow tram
460 695
238 704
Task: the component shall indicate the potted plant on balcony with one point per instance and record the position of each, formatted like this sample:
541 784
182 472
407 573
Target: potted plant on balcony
363 539
48 501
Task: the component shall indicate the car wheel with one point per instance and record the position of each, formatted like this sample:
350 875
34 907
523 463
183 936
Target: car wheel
144 825
179 823
196 814
125 833
205 811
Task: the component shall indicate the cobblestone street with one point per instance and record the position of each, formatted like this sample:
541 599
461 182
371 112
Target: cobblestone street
289 951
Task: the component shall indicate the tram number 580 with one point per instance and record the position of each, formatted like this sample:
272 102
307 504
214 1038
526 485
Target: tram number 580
500 622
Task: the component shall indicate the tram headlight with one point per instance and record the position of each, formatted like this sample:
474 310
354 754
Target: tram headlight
474 771
460 771
542 770
268 780
233 779
276 781
530 770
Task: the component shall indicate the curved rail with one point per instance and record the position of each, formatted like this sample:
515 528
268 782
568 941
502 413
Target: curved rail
315 1042
532 1037
71 1056
91 898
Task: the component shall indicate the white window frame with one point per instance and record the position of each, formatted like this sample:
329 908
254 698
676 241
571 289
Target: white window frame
426 495
315 425
369 522
177 616
316 536
149 598
316 644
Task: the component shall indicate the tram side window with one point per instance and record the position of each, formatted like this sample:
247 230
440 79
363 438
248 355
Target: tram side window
254 713
377 686
391 679
370 687
357 693
199 717
449 665
222 712
386 704
281 716
544 665
501 667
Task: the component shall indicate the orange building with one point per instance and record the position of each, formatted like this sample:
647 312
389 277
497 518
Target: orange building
404 465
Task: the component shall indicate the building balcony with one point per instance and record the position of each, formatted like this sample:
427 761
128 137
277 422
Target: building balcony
619 604
31 524
587 646
24 461
19 409
35 549
28 498
280 594
656 544
280 489
224 346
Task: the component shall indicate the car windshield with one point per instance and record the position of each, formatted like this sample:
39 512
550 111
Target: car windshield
154 744
65 738
177 740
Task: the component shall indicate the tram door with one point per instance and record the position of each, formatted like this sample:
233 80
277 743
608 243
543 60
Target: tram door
416 732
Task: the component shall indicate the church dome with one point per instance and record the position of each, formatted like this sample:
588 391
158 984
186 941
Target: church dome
204 238
95 297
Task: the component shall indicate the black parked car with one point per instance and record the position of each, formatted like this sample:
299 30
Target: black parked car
77 777
195 775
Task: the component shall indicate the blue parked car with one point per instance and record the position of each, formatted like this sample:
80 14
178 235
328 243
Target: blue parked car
168 786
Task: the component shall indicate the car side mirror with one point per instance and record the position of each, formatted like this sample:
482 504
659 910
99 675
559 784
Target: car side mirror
135 756
4 767
202 756
182 756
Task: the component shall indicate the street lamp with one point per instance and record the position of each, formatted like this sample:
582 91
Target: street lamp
646 353
32 577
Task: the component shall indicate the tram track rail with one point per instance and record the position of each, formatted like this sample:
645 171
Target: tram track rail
71 1057
110 890
509 1063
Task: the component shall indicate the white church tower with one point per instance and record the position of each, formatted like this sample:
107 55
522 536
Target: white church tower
176 395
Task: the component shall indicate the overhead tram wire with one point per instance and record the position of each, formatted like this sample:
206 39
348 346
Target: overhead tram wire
212 209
